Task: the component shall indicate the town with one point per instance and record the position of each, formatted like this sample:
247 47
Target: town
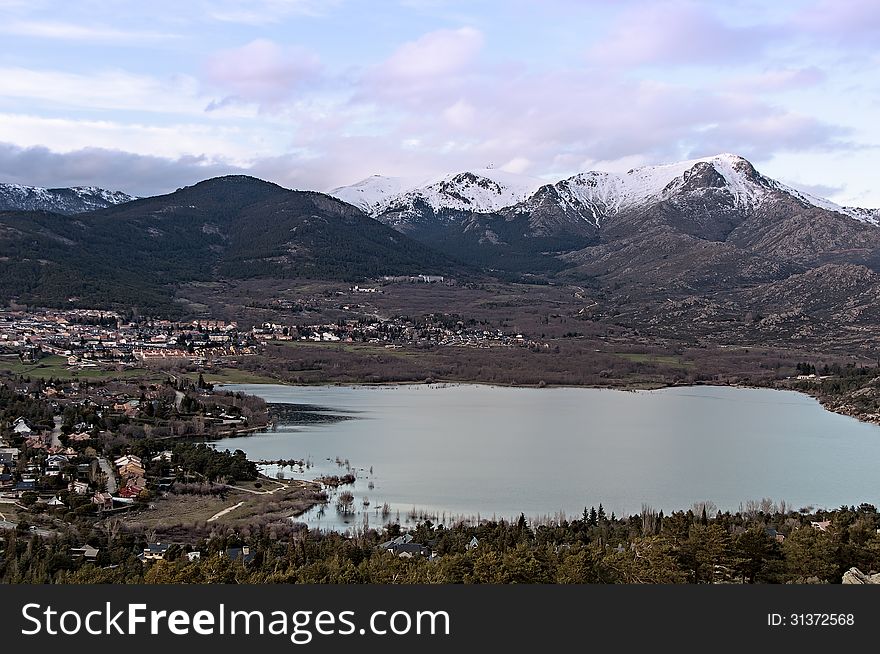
91 338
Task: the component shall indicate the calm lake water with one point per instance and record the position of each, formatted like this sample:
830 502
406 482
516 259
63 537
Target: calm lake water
463 450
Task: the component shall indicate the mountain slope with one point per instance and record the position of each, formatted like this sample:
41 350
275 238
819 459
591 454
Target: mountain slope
233 227
67 201
721 199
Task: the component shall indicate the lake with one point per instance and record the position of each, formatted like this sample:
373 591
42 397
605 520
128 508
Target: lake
467 450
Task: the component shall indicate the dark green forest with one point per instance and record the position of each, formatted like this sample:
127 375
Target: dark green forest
682 547
137 253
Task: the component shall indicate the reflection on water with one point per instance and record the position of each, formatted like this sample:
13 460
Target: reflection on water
447 451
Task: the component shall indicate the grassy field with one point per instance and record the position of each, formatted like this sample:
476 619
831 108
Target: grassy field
271 501
356 348
233 376
56 366
655 359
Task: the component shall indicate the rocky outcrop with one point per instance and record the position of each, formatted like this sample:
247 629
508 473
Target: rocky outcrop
856 576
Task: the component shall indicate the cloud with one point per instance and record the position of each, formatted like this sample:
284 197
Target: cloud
172 140
443 52
679 32
112 169
461 114
263 12
86 33
262 70
847 23
782 79
819 190
112 89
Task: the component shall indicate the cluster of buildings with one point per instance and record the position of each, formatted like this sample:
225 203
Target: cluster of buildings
399 331
89 337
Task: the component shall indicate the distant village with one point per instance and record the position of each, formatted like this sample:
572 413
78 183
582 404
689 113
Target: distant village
91 338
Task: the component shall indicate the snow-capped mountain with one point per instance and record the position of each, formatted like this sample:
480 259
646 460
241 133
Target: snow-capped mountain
482 190
597 195
743 226
372 194
593 196
77 199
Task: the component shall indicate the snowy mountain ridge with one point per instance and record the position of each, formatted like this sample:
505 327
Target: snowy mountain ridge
482 190
591 194
73 200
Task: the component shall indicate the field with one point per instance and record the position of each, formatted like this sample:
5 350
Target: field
656 359
56 367
241 505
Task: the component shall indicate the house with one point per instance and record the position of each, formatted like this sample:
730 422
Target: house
78 487
154 552
55 502
193 556
6 480
24 486
409 550
130 492
21 427
103 500
56 461
400 540
127 459
245 554
8 455
404 547
821 525
774 535
472 543
139 483
84 553
131 470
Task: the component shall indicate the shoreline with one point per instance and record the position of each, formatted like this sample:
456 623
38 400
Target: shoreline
827 403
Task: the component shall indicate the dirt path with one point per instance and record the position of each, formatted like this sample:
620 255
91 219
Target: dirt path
222 513
281 486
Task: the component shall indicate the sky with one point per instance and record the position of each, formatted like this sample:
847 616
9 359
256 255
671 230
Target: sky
146 97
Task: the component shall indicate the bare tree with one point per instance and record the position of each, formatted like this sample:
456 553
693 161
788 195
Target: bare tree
345 501
649 519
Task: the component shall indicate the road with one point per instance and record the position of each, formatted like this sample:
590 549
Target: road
56 432
111 475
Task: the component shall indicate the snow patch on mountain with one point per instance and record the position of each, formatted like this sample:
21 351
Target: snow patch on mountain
481 190
78 199
871 216
374 193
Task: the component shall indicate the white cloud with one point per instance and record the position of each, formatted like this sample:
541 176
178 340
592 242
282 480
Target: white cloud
442 52
263 12
517 165
219 143
103 90
461 114
89 33
262 70
779 79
